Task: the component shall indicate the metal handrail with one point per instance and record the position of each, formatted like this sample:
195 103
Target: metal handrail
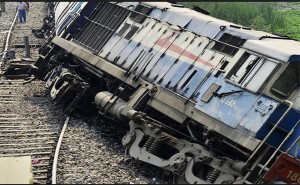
278 148
297 148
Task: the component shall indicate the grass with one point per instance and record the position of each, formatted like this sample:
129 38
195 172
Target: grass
292 22
264 16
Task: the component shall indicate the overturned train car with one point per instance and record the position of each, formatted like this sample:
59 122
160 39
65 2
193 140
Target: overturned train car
209 100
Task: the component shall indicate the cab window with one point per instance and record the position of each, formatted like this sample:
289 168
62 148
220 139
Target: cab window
288 80
251 72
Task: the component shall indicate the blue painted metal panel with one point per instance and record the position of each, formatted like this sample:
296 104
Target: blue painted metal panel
70 16
294 58
286 125
295 135
291 140
258 114
80 21
230 109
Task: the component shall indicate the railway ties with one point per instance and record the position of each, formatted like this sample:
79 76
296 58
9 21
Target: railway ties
27 127
38 143
9 91
18 137
21 135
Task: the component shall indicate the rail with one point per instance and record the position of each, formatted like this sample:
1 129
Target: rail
54 167
7 41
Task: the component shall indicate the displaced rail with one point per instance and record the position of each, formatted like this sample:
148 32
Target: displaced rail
7 42
54 168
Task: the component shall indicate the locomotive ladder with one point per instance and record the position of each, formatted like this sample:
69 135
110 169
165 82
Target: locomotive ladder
260 158
46 50
47 44
285 153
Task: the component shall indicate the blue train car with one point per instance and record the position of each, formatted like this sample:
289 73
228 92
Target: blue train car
209 100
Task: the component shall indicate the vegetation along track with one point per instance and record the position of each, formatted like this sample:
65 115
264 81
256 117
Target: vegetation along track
30 124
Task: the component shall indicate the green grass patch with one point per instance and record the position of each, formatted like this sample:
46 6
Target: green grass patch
292 24
265 16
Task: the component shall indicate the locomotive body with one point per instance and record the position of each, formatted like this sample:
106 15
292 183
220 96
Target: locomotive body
209 100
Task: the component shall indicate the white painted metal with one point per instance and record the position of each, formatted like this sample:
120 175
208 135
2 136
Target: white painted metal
122 46
54 167
7 41
145 44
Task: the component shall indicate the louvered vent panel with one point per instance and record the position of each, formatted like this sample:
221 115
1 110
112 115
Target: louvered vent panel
101 25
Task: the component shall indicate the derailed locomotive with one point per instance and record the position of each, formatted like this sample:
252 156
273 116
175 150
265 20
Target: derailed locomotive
209 100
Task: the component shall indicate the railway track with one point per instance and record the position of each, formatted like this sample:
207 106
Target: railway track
25 123
27 133
30 125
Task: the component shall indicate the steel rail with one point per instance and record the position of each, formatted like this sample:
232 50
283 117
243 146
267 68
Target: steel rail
7 41
54 167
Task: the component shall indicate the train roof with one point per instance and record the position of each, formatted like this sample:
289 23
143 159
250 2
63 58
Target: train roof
275 48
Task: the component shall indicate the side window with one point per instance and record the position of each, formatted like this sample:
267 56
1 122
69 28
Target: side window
243 68
131 32
140 17
288 80
251 72
123 29
226 43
